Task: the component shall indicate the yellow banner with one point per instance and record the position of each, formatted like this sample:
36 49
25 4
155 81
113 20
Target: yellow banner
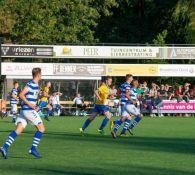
136 70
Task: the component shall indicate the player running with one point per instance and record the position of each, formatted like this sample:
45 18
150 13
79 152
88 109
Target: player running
138 117
129 109
28 114
44 102
101 106
14 100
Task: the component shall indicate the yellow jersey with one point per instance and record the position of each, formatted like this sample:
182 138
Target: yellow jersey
45 89
104 92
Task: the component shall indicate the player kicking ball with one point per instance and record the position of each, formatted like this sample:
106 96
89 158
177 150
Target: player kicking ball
28 114
101 106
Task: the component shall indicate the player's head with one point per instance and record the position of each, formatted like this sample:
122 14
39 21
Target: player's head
135 83
36 73
129 78
108 80
78 95
16 84
113 86
48 84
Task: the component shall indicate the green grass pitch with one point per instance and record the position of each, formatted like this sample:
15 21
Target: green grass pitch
161 146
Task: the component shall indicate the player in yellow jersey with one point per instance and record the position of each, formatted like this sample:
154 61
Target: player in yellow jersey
101 105
44 100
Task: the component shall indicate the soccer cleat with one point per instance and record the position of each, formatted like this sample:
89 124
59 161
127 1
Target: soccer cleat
47 118
123 135
35 153
101 131
130 131
3 152
13 120
111 125
81 131
113 135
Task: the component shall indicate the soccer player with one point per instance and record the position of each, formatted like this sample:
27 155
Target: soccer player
136 109
14 99
28 114
129 109
101 106
44 101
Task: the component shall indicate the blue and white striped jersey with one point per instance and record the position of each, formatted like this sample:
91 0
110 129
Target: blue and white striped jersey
32 95
133 93
13 100
123 92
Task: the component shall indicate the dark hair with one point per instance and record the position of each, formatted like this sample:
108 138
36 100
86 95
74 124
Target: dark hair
47 82
15 82
128 76
104 78
36 71
108 77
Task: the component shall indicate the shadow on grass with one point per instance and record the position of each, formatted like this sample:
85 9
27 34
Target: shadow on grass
77 170
176 145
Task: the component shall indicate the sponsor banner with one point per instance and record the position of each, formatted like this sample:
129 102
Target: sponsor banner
170 106
180 53
176 70
95 70
135 69
106 52
24 69
26 51
79 69
53 69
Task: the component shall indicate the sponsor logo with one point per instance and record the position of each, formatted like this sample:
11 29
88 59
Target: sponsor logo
4 50
67 51
15 50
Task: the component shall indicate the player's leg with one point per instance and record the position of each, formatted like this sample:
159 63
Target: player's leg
42 104
90 119
20 125
14 112
118 123
108 116
136 120
34 119
48 111
126 125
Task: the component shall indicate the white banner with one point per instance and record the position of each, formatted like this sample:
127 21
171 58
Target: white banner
106 52
25 68
98 70
176 70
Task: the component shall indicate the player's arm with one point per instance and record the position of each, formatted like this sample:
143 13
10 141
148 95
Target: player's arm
45 94
22 96
96 92
14 96
128 96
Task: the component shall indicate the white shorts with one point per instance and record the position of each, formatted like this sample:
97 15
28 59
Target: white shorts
29 116
130 110
14 108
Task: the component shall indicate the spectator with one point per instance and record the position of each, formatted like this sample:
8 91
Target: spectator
55 101
186 92
179 93
113 92
80 105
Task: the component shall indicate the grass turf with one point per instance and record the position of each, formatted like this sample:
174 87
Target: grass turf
161 146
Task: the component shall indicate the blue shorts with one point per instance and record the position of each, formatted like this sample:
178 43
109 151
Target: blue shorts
101 109
42 104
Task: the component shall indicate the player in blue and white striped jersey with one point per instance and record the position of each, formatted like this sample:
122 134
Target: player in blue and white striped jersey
28 114
14 99
123 94
122 91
